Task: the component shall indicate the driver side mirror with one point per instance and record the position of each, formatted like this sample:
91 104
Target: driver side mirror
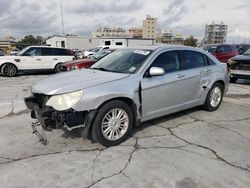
156 71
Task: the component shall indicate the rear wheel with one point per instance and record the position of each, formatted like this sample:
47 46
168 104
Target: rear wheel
58 68
9 70
214 97
113 123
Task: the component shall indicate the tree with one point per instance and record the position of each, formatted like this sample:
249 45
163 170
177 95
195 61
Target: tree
30 40
190 41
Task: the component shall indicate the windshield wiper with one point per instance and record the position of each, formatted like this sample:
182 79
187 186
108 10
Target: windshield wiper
101 69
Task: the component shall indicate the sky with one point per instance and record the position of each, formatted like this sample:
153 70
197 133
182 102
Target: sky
81 17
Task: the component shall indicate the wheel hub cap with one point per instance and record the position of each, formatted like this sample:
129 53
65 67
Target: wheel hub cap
215 97
115 124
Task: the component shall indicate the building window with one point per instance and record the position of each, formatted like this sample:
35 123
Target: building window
63 44
107 43
118 43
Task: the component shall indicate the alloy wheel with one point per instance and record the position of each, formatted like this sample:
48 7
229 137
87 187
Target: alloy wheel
215 97
9 70
115 124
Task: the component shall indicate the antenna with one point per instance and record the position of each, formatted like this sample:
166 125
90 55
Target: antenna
61 5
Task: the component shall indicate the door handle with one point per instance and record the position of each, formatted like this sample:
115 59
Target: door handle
55 59
38 59
180 75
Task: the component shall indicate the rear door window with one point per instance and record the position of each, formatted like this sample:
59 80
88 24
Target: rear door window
61 52
192 59
47 51
210 61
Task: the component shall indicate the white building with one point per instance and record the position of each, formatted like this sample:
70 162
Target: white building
115 32
215 33
77 42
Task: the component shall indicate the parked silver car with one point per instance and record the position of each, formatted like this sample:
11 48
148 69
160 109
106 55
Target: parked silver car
128 87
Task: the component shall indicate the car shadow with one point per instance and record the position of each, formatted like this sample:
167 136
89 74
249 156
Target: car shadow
77 133
243 81
163 119
29 74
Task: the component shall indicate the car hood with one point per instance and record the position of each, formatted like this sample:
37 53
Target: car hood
80 61
241 57
74 80
8 57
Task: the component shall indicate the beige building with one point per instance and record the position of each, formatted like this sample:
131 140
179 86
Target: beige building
7 43
135 32
149 27
168 37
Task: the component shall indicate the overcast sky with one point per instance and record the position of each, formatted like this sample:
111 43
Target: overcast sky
189 17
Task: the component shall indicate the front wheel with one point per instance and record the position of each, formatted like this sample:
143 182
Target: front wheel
113 123
9 70
214 97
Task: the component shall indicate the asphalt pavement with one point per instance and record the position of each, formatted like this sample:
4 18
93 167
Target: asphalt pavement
193 148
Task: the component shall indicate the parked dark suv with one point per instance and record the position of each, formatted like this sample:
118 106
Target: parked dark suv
222 52
240 66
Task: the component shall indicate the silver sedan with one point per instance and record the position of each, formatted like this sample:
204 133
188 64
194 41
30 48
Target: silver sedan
127 87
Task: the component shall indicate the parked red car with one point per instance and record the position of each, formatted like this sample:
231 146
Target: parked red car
222 52
85 63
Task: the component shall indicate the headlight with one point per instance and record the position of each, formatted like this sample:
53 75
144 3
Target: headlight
64 101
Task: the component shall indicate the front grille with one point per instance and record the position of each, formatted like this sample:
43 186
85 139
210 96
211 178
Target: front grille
242 65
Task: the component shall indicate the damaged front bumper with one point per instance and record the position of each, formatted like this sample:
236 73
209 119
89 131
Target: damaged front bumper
52 119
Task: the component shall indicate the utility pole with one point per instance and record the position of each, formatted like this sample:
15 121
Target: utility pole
61 5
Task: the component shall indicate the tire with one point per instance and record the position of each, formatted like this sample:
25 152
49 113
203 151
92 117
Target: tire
233 79
9 70
214 97
58 68
107 128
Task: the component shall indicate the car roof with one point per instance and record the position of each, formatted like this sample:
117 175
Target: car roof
45 47
159 47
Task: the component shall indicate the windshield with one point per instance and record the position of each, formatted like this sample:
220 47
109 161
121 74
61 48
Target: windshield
95 49
247 52
100 54
22 51
123 61
210 48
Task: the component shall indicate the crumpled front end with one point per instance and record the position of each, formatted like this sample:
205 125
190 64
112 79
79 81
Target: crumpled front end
49 118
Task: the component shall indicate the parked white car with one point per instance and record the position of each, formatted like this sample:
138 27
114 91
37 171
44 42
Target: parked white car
92 51
35 58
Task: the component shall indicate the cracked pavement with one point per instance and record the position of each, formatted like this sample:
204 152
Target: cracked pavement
193 148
